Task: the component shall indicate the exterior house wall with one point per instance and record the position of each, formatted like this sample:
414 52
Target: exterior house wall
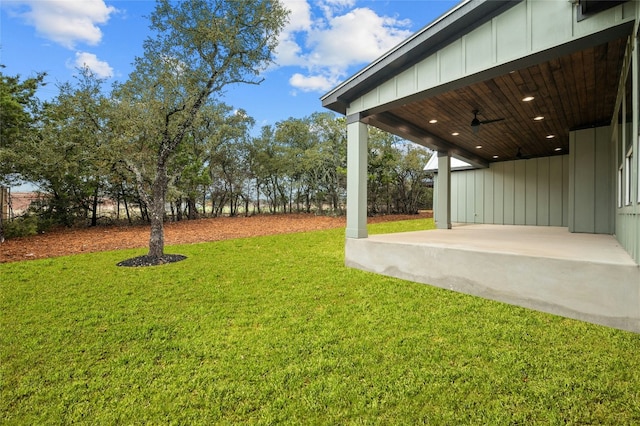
628 228
591 181
528 28
626 141
523 192
575 191
578 190
528 32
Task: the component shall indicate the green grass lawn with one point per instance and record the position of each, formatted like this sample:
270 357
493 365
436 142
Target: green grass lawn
276 330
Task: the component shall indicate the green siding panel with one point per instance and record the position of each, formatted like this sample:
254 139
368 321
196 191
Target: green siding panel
511 33
565 185
550 21
406 82
604 188
543 192
557 203
470 205
584 181
531 193
427 73
592 175
498 190
509 193
450 61
478 49
519 192
487 176
523 192
479 196
456 188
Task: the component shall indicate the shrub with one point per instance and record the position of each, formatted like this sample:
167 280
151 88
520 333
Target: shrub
25 226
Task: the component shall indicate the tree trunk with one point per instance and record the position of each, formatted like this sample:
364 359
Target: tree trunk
178 209
126 209
126 205
192 210
4 209
257 204
156 239
94 213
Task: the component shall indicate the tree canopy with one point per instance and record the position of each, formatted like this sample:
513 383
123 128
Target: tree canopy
198 48
18 114
163 144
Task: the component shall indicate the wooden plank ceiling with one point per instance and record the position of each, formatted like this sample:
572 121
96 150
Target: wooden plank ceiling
570 92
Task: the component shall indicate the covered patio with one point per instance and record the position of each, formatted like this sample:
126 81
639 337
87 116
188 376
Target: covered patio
542 100
583 276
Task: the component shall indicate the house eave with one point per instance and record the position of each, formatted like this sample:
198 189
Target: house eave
460 20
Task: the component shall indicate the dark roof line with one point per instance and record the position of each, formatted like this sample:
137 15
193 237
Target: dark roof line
460 20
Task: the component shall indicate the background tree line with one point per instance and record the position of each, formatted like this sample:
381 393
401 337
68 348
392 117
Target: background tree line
89 144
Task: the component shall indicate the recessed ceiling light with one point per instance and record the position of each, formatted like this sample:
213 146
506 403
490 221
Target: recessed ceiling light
528 99
478 146
550 136
495 156
558 149
538 118
434 121
455 134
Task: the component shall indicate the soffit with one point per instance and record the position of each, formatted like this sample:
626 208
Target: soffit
462 19
572 91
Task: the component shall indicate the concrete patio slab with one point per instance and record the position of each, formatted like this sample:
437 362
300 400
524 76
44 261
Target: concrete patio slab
582 276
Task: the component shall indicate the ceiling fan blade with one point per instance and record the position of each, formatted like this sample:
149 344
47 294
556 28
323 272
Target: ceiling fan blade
495 120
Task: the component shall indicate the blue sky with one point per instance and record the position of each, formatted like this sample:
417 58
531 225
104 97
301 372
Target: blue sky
325 42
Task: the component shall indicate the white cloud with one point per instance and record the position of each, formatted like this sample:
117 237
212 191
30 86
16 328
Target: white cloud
100 68
289 51
329 7
299 15
328 45
67 22
312 83
358 36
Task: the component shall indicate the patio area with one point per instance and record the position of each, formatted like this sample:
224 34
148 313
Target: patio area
589 277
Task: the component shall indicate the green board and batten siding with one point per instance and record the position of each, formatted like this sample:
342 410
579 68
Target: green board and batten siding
592 186
576 191
523 192
528 28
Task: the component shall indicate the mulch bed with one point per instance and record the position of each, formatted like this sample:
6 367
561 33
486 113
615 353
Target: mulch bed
66 241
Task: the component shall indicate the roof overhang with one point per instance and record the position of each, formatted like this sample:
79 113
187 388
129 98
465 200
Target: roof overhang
575 80
458 21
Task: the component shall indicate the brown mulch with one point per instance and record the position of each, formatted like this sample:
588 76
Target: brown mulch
65 241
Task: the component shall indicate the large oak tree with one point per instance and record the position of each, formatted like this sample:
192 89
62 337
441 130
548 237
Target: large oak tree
197 50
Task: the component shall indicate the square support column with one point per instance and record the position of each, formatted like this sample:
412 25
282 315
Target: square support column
357 140
443 204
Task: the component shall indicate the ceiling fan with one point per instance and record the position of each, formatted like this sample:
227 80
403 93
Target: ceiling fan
475 123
